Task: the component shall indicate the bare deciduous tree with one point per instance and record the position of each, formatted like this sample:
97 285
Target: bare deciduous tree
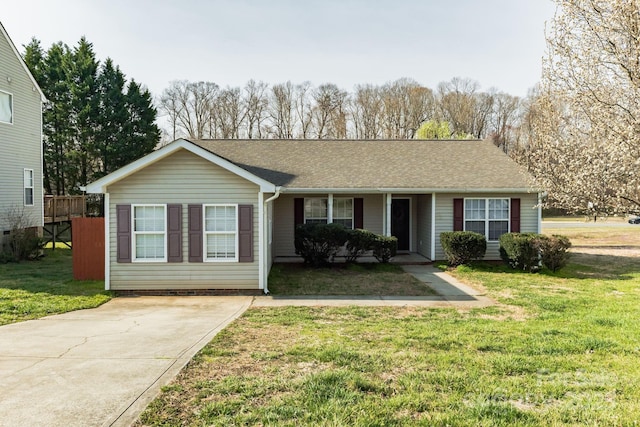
188 106
230 112
255 101
329 111
281 110
366 112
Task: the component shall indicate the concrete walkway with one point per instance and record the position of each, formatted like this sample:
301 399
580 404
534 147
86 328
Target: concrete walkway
451 293
102 367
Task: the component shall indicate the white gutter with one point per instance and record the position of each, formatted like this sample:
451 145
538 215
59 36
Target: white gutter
264 285
107 248
408 190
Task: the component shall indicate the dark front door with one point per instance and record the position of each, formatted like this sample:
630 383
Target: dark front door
400 222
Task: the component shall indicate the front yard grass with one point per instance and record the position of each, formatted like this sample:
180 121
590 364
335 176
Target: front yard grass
345 279
559 349
33 289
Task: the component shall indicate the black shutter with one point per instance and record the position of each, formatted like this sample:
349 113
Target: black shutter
174 233
196 232
245 233
458 214
515 215
358 213
298 210
123 233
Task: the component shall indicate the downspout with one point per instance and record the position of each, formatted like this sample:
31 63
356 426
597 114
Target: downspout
266 241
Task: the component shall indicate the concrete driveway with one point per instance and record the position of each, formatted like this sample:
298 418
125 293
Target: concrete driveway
101 367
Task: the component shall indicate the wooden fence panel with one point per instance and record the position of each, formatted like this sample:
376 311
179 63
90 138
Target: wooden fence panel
87 241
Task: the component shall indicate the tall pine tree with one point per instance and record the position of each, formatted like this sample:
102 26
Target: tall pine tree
93 122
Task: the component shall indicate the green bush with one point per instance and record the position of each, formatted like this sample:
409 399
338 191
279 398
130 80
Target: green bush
461 247
318 244
554 251
6 257
520 250
384 248
25 244
358 243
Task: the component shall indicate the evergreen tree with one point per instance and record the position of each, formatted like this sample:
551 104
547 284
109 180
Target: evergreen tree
141 134
83 75
111 118
93 122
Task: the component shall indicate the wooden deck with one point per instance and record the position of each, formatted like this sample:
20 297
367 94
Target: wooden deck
64 208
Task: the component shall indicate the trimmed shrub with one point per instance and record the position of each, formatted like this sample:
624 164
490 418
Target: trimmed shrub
384 248
359 242
318 244
520 250
554 251
461 247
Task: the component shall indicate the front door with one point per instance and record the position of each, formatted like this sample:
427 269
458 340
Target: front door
400 223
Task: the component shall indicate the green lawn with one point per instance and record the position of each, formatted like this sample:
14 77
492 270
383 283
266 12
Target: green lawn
559 349
33 289
345 279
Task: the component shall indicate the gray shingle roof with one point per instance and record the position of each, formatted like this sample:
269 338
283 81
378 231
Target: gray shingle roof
374 164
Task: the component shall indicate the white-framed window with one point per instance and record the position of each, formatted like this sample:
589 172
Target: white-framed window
28 187
489 217
316 211
221 232
6 107
149 237
343 211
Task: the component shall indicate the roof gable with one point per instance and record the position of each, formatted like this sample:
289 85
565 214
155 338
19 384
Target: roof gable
24 65
100 186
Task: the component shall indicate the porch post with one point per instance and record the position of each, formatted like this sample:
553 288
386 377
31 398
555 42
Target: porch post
433 226
329 208
261 243
388 215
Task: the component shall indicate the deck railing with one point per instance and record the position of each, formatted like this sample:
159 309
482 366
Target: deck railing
63 208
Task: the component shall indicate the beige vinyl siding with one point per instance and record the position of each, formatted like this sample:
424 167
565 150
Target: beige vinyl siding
423 225
21 141
269 234
444 217
284 227
183 178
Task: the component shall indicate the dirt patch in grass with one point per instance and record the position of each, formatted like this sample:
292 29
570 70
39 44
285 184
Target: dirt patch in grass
345 279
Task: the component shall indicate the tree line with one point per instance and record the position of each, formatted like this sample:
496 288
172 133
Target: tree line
402 109
577 133
94 121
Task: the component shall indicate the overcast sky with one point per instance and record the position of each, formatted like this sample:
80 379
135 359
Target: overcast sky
499 43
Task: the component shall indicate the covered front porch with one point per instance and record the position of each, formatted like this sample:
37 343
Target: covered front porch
409 217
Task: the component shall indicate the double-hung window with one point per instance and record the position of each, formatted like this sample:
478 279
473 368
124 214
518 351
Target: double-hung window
221 232
6 107
489 217
28 187
149 233
343 211
316 211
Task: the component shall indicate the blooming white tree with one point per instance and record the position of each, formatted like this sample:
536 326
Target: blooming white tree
584 125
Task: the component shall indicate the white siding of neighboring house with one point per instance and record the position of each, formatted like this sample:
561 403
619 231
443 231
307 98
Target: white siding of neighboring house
444 218
20 142
183 178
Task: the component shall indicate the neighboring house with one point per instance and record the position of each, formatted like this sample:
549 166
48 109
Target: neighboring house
20 141
215 214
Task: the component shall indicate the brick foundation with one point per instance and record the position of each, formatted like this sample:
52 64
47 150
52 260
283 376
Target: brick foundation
187 292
